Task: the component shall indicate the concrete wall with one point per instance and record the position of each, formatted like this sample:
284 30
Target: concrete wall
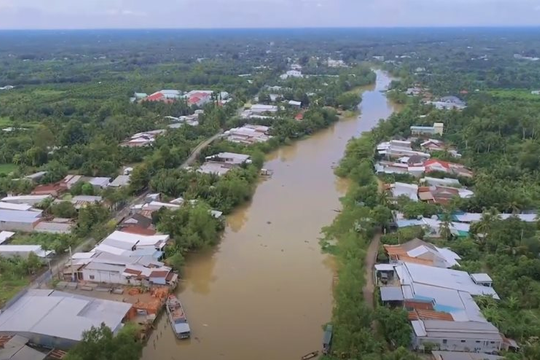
470 345
100 276
16 226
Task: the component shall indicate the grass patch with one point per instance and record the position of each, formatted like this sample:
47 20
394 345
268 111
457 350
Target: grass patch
47 92
7 168
517 94
4 122
10 287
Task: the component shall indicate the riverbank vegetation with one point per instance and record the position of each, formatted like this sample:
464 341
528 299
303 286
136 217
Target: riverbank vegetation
362 330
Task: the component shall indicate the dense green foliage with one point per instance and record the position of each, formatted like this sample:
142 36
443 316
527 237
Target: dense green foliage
101 344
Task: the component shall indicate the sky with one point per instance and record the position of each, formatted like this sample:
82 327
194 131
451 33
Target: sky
139 14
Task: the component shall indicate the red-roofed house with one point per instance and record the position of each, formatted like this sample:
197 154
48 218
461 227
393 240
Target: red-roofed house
156 97
447 167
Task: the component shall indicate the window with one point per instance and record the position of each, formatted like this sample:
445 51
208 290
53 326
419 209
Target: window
478 341
492 342
444 341
462 341
92 277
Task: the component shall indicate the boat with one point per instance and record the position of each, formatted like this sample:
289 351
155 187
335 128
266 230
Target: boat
311 355
177 318
327 339
267 172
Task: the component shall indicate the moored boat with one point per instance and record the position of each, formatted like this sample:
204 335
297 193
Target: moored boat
311 355
327 339
177 318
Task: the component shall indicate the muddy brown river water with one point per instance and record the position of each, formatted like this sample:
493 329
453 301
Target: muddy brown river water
266 290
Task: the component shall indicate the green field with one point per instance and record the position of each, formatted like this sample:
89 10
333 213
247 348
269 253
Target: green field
7 168
9 288
517 94
4 121
47 92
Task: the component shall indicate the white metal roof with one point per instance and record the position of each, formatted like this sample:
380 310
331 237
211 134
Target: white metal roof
121 180
5 235
27 217
18 207
481 277
384 267
36 249
59 314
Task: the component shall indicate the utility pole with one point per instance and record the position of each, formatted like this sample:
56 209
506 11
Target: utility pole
71 265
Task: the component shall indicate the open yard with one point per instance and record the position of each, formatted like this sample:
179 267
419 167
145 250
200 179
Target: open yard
7 168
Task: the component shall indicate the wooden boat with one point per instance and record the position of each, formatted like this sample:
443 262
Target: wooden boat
177 318
311 355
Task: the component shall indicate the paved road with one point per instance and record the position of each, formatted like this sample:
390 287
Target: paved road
60 262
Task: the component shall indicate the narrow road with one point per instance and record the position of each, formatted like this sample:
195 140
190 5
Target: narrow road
195 152
371 259
60 262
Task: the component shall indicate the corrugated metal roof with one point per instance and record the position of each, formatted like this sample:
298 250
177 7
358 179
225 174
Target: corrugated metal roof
59 314
27 217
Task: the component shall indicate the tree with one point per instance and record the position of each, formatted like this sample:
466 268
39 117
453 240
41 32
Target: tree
87 189
101 344
73 134
64 209
395 326
139 179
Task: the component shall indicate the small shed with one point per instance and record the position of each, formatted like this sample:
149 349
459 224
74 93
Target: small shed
392 295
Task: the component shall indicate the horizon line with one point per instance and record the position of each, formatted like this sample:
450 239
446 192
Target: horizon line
382 27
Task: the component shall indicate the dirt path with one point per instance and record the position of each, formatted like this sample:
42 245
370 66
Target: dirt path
371 259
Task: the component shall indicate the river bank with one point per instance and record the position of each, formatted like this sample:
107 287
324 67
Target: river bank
266 290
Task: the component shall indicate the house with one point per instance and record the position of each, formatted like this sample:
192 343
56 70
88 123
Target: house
115 269
138 224
120 181
399 148
433 227
291 74
469 218
436 129
335 63
296 104
429 181
449 103
442 194
14 220
24 251
26 199
388 167
140 96
248 134
154 205
438 145
71 180
15 207
447 167
15 348
421 252
146 138
81 201
261 109
199 97
442 289
98 182
454 355
36 177
482 337
55 226
402 189
166 96
414 91
55 319
535 92
222 163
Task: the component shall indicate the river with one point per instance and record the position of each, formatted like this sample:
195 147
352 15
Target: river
265 292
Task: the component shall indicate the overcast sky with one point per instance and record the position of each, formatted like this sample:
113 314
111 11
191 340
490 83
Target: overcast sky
88 14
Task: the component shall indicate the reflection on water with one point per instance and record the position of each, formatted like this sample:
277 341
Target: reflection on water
266 290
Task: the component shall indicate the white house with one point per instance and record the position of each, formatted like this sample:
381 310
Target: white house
23 251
